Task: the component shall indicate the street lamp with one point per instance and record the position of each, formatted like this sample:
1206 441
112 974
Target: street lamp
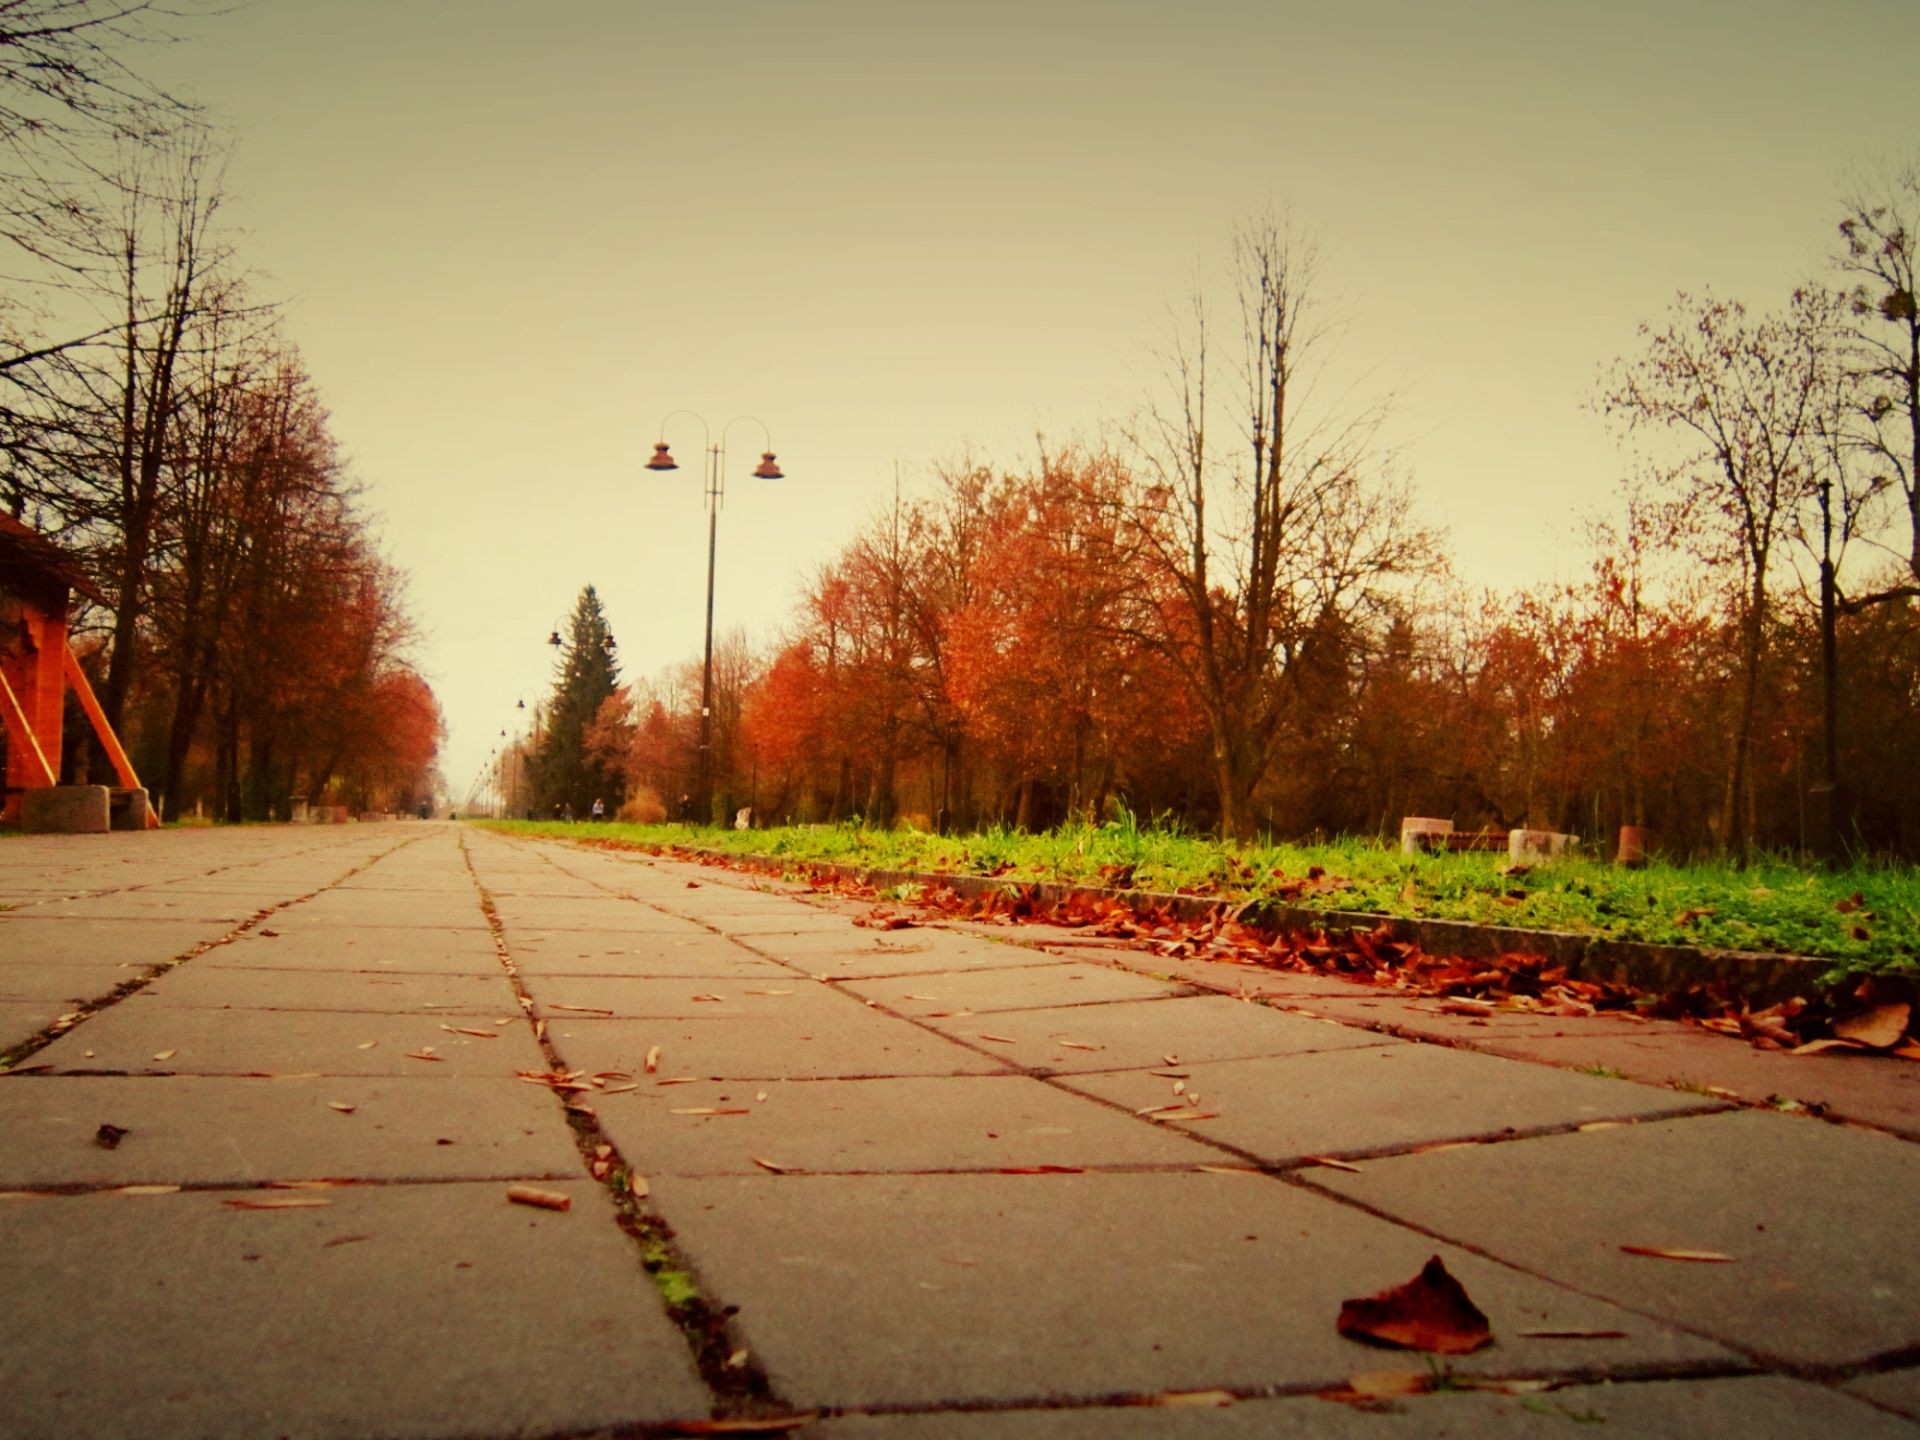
662 459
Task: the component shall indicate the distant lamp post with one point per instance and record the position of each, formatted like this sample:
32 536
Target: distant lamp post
662 460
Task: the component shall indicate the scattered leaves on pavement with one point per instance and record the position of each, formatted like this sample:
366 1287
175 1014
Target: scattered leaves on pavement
1432 1312
342 1106
108 1137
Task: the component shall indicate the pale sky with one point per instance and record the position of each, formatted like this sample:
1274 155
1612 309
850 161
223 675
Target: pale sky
514 237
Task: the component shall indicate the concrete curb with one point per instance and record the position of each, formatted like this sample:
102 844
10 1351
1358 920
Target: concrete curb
1758 977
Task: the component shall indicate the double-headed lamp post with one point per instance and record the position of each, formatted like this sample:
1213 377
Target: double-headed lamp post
716 493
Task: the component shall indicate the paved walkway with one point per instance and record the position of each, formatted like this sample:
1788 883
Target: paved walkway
921 1183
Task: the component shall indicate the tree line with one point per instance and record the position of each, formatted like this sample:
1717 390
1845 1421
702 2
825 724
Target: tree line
1230 611
156 419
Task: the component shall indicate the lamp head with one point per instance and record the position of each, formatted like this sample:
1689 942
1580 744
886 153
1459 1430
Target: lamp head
766 469
662 458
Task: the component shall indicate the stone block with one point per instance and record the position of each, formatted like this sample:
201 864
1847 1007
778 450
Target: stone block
1538 845
65 810
128 809
1420 833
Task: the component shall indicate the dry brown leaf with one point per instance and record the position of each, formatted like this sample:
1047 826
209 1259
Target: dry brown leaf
1161 1109
1172 1074
653 1059
283 1202
758 1425
166 1054
462 1030
759 1095
580 1009
1431 1312
782 992
775 1167
146 1190
1331 1163
1075 1045
1000 1039
1216 1398
342 1106
637 1185
621 1089
1657 1252
1186 1115
1821 1047
707 996
708 1110
1383 1384
1226 1170
1041 1170
678 1080
542 1199
1478 1008
366 1044
108 1137
1909 1051
1880 1026
423 1055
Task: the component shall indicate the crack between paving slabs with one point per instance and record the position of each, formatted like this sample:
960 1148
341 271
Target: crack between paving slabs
740 1392
1294 1174
10 1058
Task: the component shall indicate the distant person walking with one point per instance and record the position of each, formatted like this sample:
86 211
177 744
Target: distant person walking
599 810
566 812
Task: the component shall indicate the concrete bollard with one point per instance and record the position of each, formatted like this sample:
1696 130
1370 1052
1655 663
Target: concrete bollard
1418 834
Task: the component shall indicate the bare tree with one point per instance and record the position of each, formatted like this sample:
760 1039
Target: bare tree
1747 401
1877 261
1254 544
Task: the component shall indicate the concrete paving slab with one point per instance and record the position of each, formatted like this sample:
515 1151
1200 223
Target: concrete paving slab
604 953
1424 1020
381 950
1896 1389
861 1044
142 907
392 1311
132 1037
1135 1034
332 909
905 1124
870 954
935 1290
126 942
604 913
74 981
232 988
771 991
1043 985
1875 1089
1357 1102
222 1130
1736 1408
1818 1220
21 1020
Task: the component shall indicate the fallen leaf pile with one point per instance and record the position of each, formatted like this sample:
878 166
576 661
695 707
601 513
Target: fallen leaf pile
1518 982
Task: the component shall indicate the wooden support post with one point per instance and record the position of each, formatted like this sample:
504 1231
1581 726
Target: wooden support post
20 735
116 755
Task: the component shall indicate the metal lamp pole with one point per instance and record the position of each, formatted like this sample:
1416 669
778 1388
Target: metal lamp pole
716 494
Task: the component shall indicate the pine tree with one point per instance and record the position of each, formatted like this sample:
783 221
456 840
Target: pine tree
569 776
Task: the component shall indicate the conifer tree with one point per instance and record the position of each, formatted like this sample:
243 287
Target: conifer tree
569 774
